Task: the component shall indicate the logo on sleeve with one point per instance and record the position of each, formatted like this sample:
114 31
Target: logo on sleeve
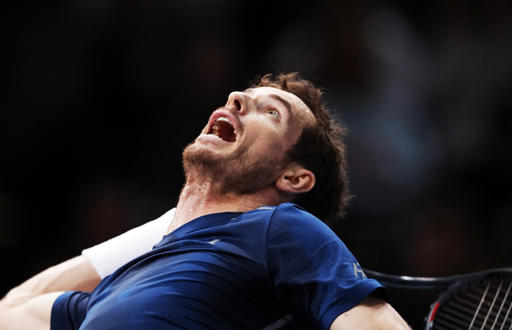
358 270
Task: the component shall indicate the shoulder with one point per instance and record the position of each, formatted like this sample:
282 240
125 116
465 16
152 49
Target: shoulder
281 217
291 219
294 231
312 267
293 210
294 214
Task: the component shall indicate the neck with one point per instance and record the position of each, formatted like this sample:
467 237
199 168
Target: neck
198 199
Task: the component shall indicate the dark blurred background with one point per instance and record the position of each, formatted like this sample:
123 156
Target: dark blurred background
103 95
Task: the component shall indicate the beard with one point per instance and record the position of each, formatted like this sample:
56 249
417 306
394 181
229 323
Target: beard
240 172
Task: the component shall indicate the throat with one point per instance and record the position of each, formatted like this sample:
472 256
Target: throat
198 200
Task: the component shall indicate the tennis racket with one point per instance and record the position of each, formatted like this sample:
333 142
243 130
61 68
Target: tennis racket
481 300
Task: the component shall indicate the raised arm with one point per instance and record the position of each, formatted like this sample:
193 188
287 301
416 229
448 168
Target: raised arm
29 305
371 313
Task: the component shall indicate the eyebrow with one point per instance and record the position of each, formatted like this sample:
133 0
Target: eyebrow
278 98
283 101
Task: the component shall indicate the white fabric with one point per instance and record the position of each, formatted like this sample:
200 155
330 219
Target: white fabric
106 257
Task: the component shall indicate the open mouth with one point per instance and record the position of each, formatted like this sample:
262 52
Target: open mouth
223 129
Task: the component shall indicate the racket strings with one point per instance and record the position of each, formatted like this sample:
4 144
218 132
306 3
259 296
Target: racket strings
502 305
507 317
485 305
456 313
478 308
494 306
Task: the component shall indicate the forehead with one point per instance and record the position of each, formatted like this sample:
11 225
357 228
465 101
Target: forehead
298 107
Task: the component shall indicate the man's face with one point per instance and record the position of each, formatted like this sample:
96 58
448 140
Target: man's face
244 143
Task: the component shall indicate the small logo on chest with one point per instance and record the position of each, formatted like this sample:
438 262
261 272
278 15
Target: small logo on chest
214 241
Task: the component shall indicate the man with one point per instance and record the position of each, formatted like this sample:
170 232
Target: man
237 254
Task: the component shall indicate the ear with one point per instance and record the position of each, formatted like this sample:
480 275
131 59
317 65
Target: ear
296 179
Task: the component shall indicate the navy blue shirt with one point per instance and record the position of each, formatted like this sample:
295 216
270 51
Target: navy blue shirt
227 270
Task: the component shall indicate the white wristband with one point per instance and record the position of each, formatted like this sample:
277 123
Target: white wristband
106 257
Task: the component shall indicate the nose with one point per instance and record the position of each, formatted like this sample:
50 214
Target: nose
237 101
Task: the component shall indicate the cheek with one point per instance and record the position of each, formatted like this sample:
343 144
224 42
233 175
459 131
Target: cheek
272 146
267 137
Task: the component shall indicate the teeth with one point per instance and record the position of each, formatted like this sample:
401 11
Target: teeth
219 130
223 119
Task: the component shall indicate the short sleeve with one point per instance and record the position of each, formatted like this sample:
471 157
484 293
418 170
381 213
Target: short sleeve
311 267
69 310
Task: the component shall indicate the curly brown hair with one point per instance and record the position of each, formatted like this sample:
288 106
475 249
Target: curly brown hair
320 148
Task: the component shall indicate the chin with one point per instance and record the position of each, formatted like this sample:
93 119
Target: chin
197 157
194 153
238 174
